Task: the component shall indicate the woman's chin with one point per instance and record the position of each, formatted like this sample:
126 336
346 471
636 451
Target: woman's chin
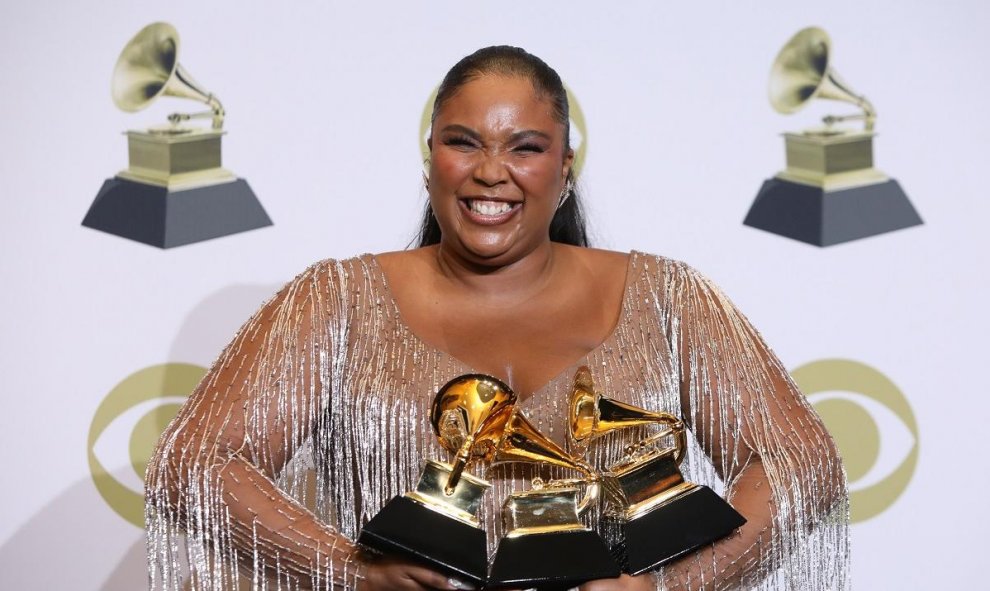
493 253
492 248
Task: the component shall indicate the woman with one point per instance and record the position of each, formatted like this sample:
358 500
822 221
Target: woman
337 371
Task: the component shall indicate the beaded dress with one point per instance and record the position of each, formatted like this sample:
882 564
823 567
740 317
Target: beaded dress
317 414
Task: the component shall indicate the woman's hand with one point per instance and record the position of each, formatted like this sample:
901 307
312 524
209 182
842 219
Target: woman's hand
644 582
387 574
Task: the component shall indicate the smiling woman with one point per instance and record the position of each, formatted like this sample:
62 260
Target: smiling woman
498 167
338 371
544 87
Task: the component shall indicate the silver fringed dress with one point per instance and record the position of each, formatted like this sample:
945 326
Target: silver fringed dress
317 414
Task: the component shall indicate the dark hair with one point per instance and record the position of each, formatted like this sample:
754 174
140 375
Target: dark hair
568 225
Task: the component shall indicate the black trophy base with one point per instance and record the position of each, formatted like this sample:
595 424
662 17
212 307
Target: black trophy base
551 561
166 218
823 218
684 524
406 528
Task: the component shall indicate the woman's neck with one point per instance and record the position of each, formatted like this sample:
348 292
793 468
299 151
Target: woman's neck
518 279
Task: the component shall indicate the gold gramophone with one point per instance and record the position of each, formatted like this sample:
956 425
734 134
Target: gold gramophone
175 190
660 514
545 543
830 191
437 523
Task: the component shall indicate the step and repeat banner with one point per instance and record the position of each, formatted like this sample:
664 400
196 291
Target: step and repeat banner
862 258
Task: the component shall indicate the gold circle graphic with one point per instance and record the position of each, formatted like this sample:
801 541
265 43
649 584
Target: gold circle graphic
577 122
150 383
855 431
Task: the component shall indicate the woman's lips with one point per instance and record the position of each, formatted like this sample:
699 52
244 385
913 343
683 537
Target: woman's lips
488 212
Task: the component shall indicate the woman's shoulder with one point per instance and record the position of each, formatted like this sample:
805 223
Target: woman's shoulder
405 269
667 278
330 277
398 260
640 263
356 265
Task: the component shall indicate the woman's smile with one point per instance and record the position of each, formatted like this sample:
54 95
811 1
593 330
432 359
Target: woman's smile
488 212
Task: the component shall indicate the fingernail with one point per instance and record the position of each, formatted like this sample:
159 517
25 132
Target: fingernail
459 584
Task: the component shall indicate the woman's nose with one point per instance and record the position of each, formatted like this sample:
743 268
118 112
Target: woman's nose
491 170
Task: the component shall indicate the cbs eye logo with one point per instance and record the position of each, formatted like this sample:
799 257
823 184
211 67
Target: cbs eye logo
872 424
579 130
126 427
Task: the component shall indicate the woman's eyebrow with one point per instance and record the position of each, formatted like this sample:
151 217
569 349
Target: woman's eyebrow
528 133
517 136
455 128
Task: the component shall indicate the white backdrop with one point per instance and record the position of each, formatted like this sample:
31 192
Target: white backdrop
324 101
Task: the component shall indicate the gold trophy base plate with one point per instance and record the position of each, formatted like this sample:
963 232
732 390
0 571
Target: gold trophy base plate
462 504
181 181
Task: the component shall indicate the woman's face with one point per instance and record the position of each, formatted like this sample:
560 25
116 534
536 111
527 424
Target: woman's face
497 166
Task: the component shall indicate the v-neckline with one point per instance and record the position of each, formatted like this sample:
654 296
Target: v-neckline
624 306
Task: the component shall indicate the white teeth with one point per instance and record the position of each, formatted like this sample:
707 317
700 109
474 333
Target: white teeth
489 207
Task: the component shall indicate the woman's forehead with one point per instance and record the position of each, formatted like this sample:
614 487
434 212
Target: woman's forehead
496 102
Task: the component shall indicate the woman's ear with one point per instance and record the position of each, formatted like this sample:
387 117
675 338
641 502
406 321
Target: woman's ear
568 165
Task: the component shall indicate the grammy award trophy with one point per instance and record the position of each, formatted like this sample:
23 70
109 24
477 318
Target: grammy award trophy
174 190
830 192
660 514
437 524
546 545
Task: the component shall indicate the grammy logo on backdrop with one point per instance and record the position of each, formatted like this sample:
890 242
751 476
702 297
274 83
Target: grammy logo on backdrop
174 190
830 191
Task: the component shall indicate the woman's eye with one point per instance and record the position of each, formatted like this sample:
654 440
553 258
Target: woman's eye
459 142
530 148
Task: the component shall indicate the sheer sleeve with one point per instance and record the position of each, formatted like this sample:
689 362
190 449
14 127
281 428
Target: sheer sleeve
780 467
223 490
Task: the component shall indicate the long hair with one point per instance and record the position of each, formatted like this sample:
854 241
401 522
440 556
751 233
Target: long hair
568 224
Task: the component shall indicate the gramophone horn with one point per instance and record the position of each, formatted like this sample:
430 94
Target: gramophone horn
468 416
148 67
802 72
592 415
522 442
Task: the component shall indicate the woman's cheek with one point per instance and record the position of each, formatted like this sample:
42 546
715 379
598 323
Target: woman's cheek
452 172
536 180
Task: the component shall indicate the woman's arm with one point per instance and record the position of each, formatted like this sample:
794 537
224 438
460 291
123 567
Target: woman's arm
220 473
781 468
213 474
